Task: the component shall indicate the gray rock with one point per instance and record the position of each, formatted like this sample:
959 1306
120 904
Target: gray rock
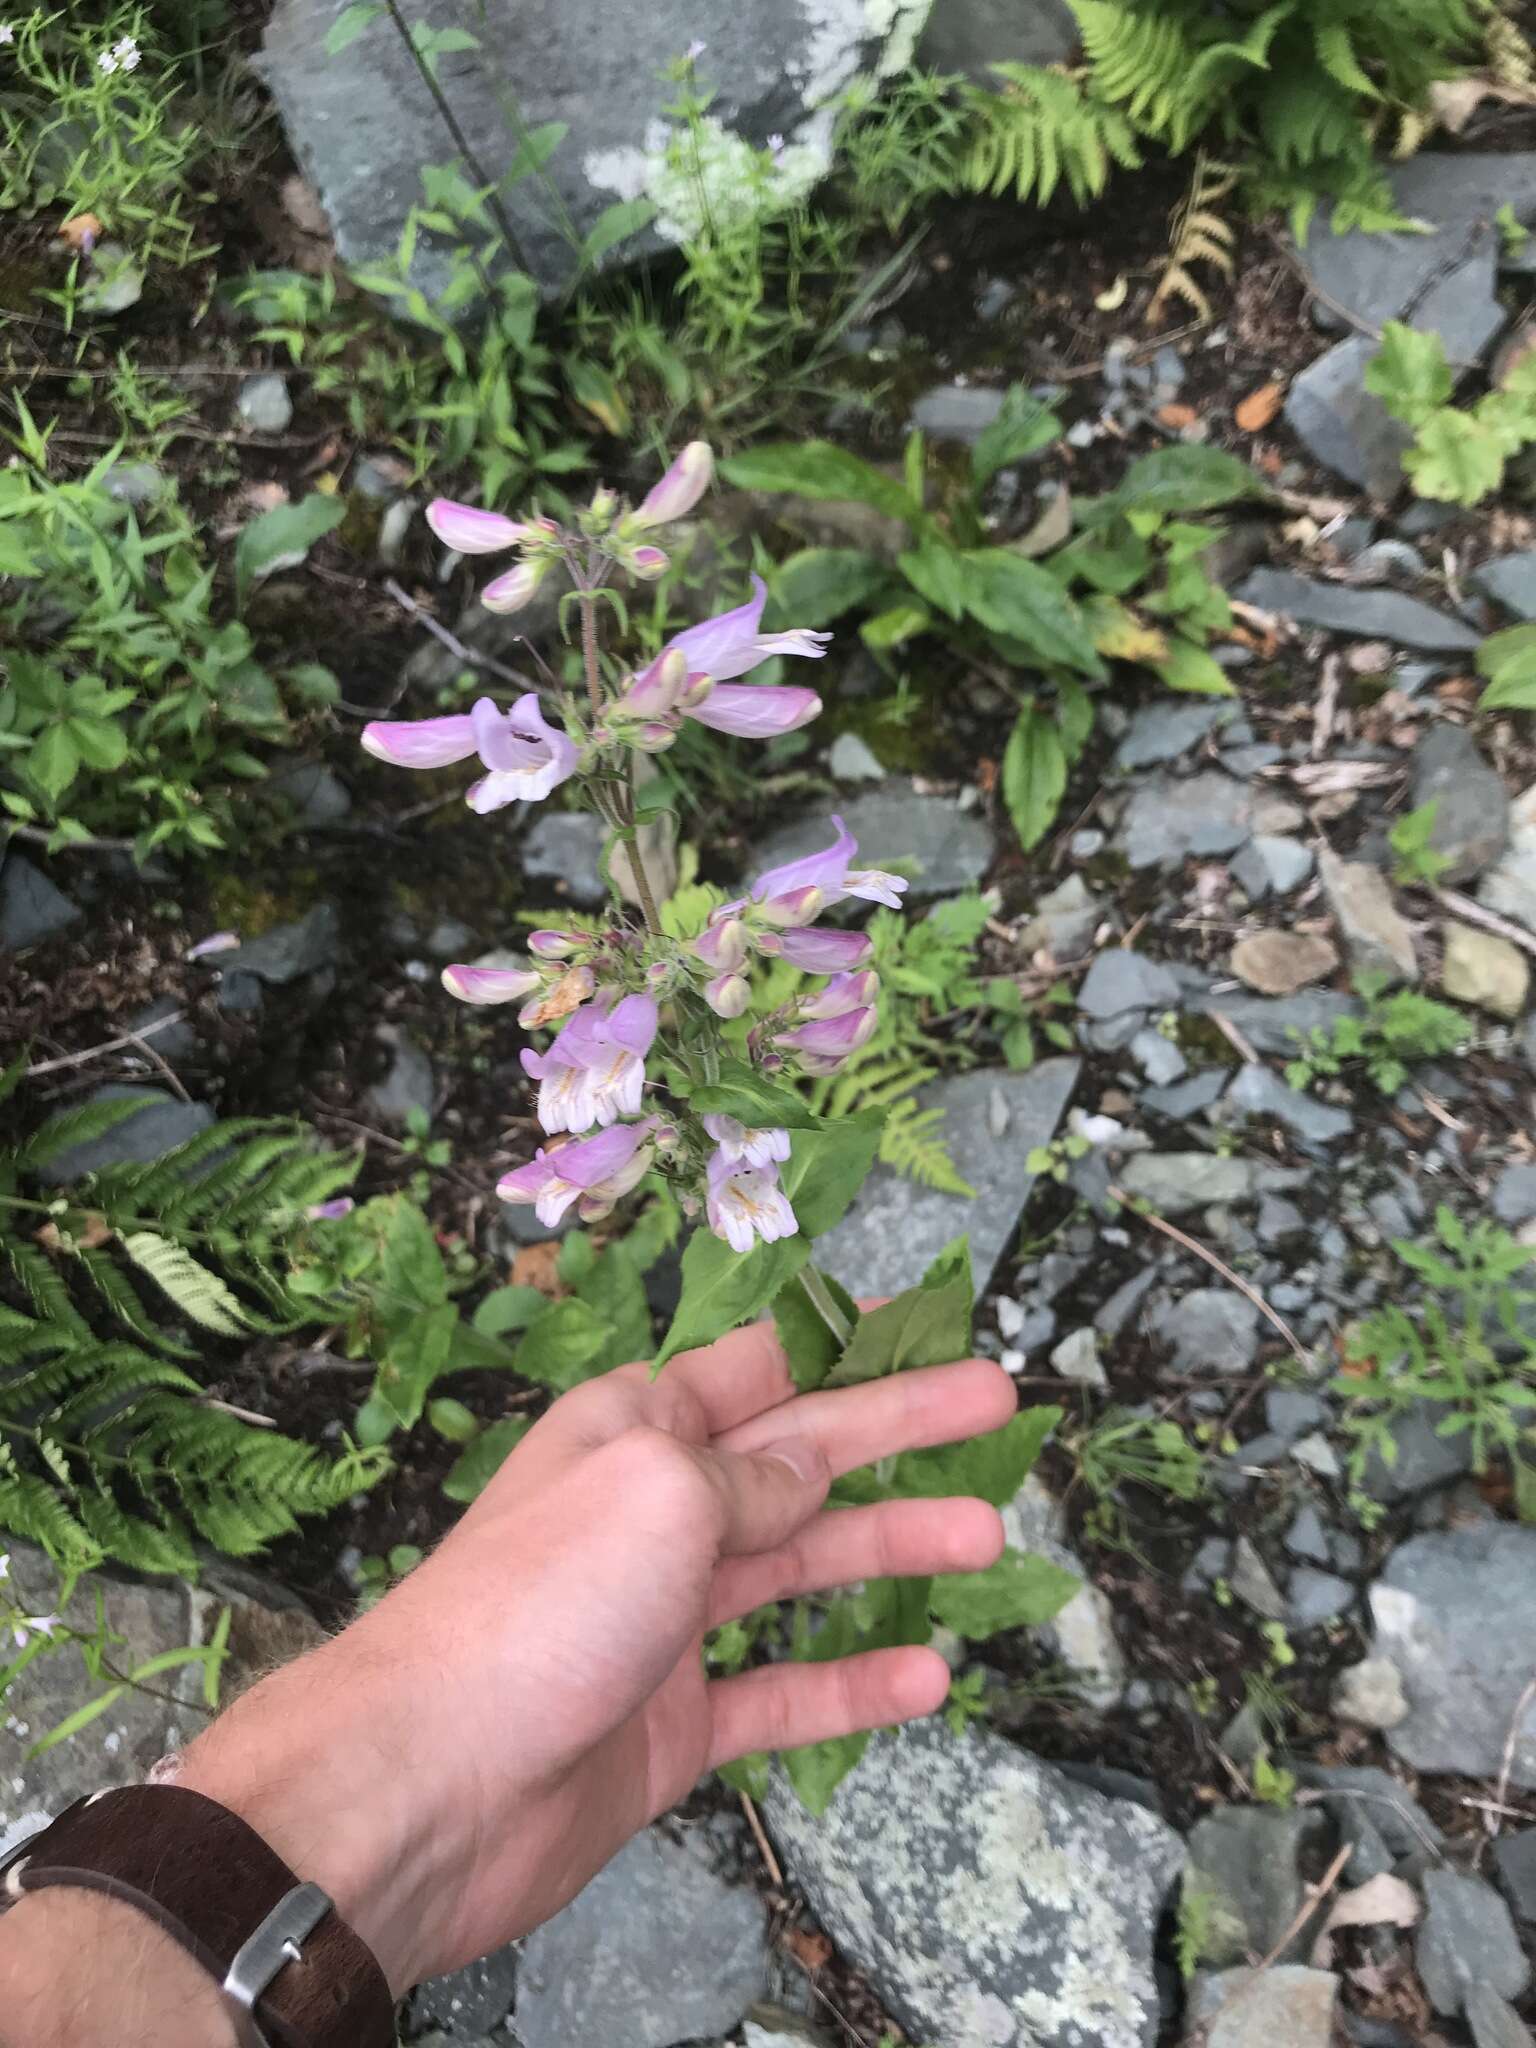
1120 980
1370 1694
1471 808
1342 424
1375 935
1064 922
1186 1098
469 2002
1424 1457
31 908
1289 1412
264 405
769 2026
1158 1057
1514 1195
1287 2004
1306 1538
658 1949
162 1124
1510 887
1259 1092
1514 1861
1511 581
1466 1937
1279 1024
175 1041
1082 1634
1175 1182
1386 558
1212 1329
973 35
318 795
1253 1583
895 1227
288 950
987 1897
1482 969
1249 1858
1455 1611
362 122
1493 2020
563 849
409 1085
1317 1596
1167 820
136 483
150 1618
1076 1357
1269 866
1167 730
957 412
943 848
1353 1791
1317 1455
1278 1220
238 995
1363 614
1111 1316
850 760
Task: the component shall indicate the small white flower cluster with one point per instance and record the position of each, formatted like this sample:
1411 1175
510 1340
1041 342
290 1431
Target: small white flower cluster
123 56
7 31
24 1627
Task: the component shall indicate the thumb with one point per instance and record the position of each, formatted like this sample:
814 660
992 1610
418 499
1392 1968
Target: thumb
766 1494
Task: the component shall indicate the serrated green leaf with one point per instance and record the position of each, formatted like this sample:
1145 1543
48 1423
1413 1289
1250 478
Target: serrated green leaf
818 469
564 1345
937 572
993 1467
1187 478
818 585
929 1324
1019 1591
1023 427
478 1465
283 537
199 1294
1454 458
808 1344
1034 777
1508 660
1409 373
1027 604
508 1309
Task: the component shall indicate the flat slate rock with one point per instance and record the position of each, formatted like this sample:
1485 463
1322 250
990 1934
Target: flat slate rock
1280 1024
1466 1937
659 1948
1120 980
944 849
973 35
1455 1611
1285 2006
31 908
993 1120
288 950
988 1897
1510 580
1363 614
1471 821
1168 819
1173 1183
161 1125
1166 731
1249 1859
362 122
564 849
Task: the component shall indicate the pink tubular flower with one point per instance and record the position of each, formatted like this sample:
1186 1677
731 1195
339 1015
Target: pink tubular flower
470 531
741 1146
421 742
679 490
832 874
844 992
331 1211
824 951
731 644
822 1046
490 984
595 1070
527 757
755 711
592 1173
745 1204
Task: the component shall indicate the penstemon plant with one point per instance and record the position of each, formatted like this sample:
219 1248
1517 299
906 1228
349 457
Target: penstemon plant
658 1065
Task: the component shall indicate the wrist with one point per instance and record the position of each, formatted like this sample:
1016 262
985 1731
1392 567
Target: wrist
138 1988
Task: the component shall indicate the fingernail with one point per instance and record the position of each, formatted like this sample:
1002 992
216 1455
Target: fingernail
801 1456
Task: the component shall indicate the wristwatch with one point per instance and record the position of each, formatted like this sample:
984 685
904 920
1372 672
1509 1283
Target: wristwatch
292 1972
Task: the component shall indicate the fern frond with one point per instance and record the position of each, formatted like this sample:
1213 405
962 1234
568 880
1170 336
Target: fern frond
1040 128
1200 235
911 1144
80 1126
196 1292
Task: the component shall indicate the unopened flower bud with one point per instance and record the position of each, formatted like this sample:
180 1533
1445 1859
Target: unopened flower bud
679 490
556 945
728 994
647 563
653 739
656 691
510 593
794 907
722 944
600 513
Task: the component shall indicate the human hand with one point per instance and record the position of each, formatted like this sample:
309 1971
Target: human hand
457 1764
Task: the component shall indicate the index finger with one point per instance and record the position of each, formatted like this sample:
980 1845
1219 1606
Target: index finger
739 1376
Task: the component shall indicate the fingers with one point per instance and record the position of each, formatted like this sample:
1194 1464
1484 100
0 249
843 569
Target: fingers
899 1539
784 1706
853 1426
764 1496
742 1375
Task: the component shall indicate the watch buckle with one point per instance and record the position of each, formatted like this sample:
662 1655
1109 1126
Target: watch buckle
277 1942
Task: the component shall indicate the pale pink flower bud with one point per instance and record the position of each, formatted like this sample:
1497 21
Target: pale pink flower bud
483 985
647 563
680 489
470 531
556 945
797 906
510 593
656 691
728 994
722 944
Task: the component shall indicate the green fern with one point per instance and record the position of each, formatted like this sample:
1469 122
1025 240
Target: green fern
109 1446
1040 128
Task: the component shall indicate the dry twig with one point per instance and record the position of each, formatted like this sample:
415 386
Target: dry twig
1193 1244
121 1043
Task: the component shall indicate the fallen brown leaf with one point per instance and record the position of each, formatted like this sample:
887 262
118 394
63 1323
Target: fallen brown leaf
1259 407
537 1265
810 1951
568 994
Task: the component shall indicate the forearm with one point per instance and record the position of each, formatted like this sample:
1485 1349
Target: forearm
81 1971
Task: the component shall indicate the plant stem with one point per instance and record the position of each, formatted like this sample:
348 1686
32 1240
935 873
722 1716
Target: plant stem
820 1296
636 862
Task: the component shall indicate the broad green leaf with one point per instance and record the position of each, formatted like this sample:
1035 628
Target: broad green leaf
809 1345
1187 478
827 1167
1188 667
508 1309
615 224
1454 458
410 1264
615 1289
929 1324
1034 774
16 558
415 1359
54 760
564 1345
1019 1591
1409 373
1026 603
937 572
895 627
283 537
483 1459
350 24
817 1770
753 1099
99 743
818 469
1508 660
1022 428
994 1466
1112 559
597 392
455 1423
818 585
1119 633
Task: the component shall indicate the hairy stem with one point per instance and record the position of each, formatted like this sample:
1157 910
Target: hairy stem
636 862
820 1296
589 665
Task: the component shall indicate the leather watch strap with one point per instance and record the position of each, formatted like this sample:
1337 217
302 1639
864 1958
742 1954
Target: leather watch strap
211 1882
